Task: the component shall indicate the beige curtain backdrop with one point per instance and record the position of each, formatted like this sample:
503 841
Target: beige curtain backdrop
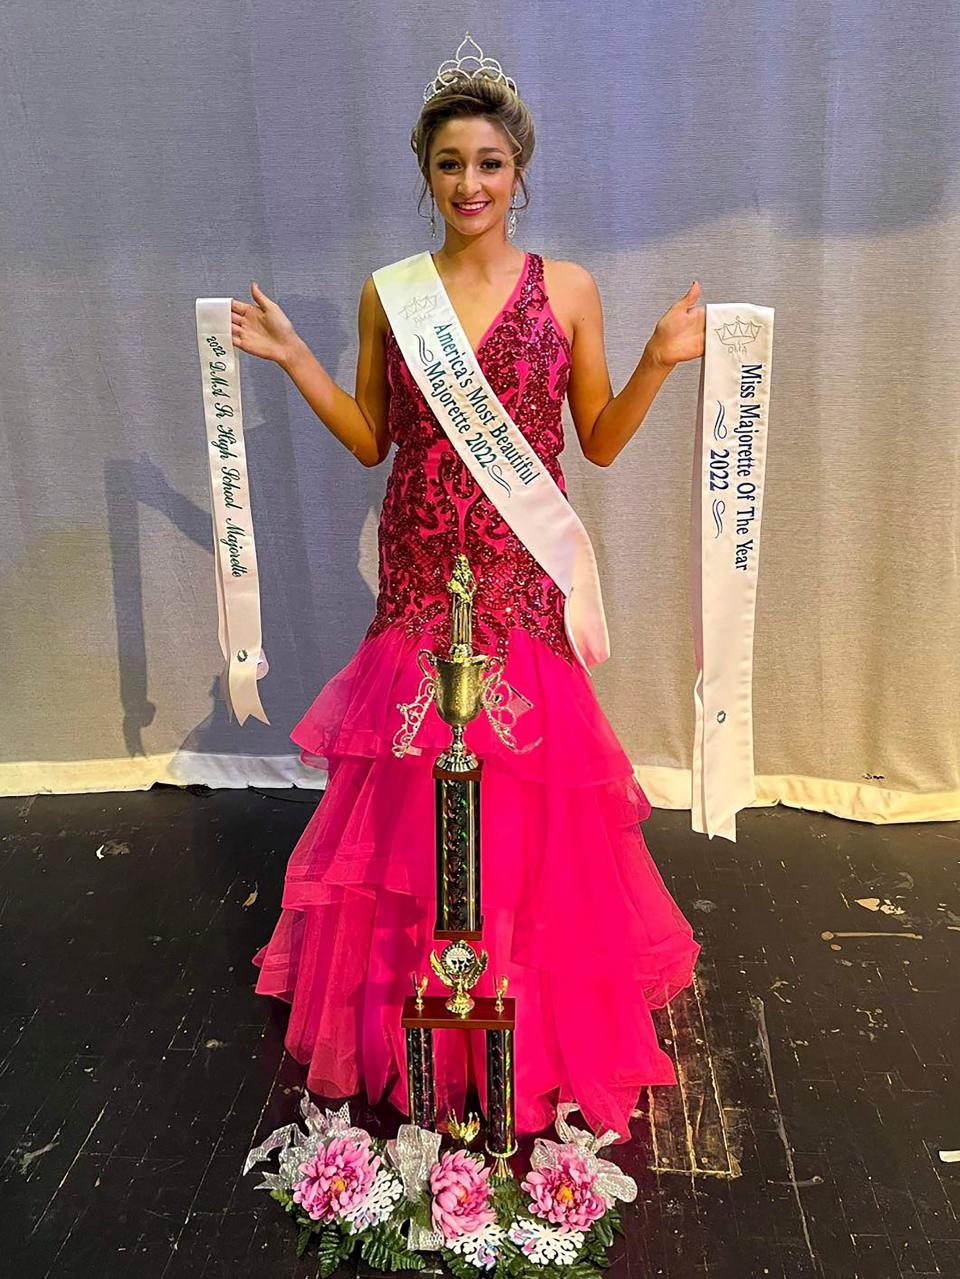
801 156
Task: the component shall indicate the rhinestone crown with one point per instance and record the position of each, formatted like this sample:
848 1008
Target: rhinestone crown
471 64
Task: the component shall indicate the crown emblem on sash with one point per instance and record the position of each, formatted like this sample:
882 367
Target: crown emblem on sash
738 335
471 64
421 305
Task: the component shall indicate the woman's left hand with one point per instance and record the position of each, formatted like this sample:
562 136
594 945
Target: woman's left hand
681 332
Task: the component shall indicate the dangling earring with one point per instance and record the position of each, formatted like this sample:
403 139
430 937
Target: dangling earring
512 220
433 220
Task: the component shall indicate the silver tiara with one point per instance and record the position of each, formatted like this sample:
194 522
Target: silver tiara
473 65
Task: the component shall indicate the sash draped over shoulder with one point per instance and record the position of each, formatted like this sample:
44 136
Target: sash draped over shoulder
434 509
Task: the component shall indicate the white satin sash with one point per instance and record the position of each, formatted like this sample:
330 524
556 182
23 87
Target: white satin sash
729 460
234 548
507 469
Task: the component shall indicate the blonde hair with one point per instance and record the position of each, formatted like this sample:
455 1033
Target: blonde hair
467 96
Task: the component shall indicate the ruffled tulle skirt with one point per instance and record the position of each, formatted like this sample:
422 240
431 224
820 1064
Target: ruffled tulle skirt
576 914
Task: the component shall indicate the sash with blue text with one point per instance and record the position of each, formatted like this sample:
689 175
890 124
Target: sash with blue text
729 460
494 450
234 548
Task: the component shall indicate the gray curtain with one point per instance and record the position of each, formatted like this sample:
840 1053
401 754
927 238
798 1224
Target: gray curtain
802 156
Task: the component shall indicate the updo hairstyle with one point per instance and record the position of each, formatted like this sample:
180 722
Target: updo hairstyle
468 96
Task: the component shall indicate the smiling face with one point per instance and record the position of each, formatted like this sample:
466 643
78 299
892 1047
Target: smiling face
472 174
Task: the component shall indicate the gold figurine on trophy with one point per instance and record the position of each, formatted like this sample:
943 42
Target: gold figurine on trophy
459 967
501 987
419 986
463 1131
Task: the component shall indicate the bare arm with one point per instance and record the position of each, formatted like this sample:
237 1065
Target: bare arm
606 422
358 421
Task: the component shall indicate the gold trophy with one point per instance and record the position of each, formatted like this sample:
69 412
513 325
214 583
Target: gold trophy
461 684
460 675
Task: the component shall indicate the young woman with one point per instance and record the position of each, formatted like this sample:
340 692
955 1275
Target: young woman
576 915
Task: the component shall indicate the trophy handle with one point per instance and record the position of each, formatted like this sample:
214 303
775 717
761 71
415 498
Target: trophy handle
413 712
497 696
426 660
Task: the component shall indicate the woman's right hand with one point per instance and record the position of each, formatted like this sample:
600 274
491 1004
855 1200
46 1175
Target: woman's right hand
261 328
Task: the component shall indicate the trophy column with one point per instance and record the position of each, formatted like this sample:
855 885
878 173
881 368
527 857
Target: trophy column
458 853
501 1141
420 1092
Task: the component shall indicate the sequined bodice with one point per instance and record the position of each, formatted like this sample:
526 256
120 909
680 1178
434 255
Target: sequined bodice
434 509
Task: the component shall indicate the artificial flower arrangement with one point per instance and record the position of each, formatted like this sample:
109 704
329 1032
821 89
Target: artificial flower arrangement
396 1200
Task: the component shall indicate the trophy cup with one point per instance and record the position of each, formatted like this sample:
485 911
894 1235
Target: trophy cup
461 685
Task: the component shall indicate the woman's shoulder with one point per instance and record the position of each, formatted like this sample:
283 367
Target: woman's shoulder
370 314
561 277
570 290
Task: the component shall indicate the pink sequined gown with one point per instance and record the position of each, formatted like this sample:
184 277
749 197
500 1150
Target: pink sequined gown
575 912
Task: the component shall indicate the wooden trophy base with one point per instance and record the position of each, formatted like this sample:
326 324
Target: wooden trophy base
458 934
436 1016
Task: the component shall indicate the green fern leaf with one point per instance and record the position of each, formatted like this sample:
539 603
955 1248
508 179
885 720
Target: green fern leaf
457 1265
303 1238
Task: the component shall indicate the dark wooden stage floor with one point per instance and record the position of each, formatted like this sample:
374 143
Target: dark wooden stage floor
818 1052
